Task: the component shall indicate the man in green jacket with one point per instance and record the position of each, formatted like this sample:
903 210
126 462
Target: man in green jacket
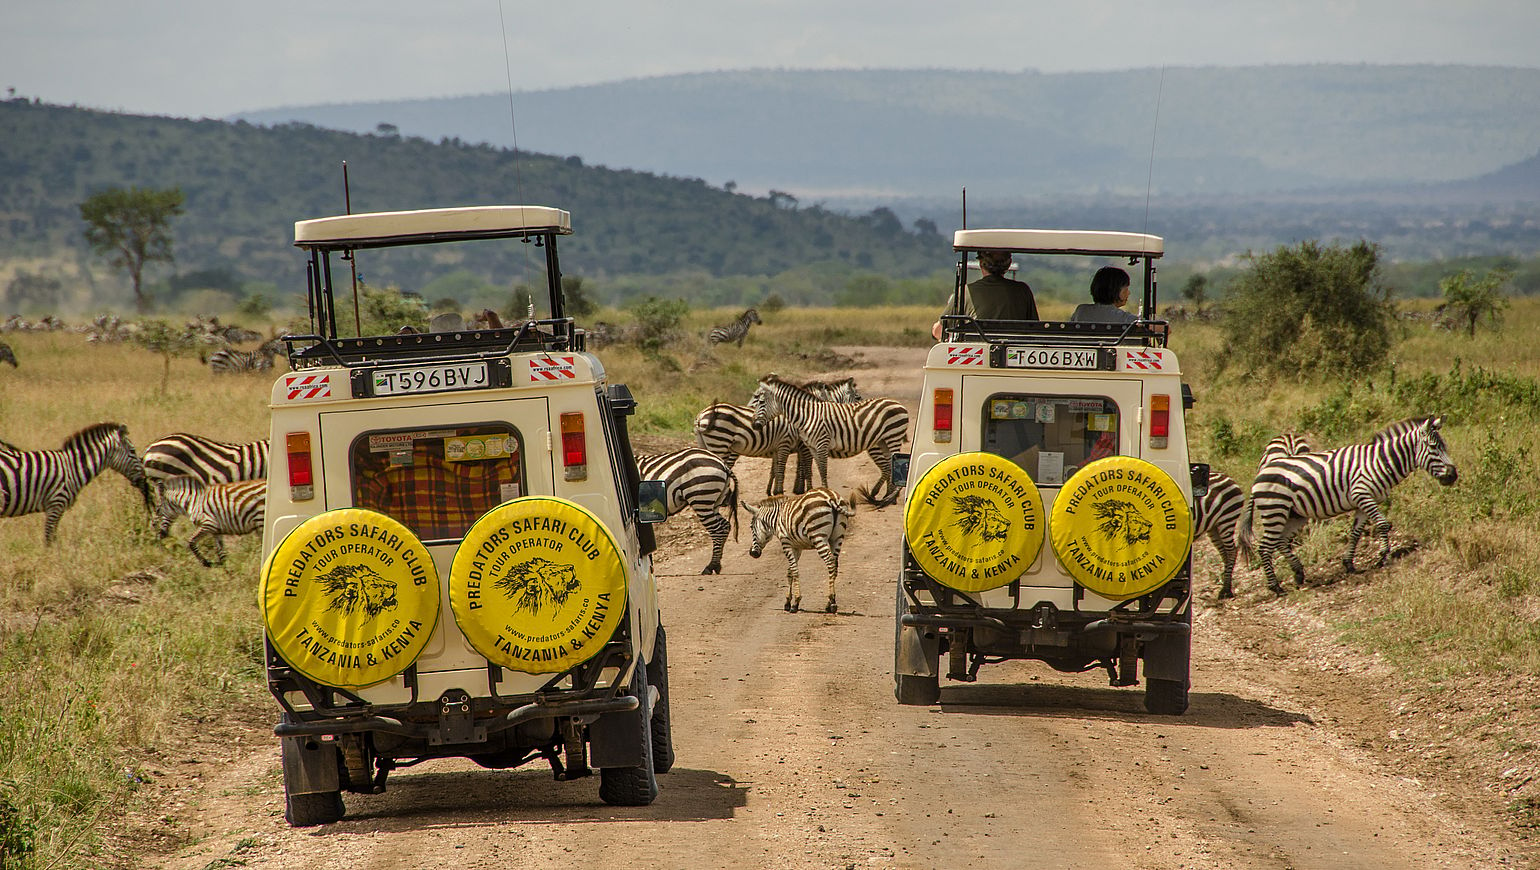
994 296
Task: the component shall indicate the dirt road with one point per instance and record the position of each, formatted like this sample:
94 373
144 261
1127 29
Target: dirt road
792 753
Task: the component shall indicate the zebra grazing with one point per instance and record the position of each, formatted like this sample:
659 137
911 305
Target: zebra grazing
223 362
220 509
734 332
49 480
210 461
817 519
697 478
729 431
1216 514
876 427
7 355
1356 478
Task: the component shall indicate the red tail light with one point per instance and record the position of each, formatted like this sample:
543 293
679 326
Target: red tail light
574 446
942 415
301 479
1160 420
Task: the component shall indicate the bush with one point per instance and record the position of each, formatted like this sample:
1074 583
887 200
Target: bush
1309 310
657 322
384 310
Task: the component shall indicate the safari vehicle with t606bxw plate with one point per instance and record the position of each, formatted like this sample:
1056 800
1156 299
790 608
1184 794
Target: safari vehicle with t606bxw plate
454 565
1049 509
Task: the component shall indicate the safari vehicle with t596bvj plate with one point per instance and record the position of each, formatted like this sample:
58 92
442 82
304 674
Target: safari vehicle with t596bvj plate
454 565
1049 509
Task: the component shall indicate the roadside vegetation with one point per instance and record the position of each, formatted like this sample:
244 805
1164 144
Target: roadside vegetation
116 646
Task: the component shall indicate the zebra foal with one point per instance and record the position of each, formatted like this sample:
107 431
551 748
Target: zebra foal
876 427
815 520
697 478
183 454
217 509
48 481
1355 479
734 332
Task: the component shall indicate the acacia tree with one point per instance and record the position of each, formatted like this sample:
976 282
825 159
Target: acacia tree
1467 299
130 227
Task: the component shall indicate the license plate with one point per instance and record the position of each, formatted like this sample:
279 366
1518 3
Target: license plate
1053 358
430 379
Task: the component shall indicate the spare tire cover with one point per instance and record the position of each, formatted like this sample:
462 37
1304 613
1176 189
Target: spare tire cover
974 522
350 598
1121 527
538 585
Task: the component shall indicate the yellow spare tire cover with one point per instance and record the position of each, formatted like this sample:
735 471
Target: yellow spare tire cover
538 585
350 598
1121 527
974 522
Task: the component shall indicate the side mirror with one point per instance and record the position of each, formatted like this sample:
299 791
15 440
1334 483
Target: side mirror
1199 471
900 470
652 501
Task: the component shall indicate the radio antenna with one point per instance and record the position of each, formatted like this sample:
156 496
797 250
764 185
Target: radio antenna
347 205
1154 128
518 187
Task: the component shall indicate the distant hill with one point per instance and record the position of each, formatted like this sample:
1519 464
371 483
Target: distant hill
854 137
246 185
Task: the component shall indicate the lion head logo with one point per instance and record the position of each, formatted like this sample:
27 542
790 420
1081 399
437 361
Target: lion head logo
1118 517
533 584
978 514
351 588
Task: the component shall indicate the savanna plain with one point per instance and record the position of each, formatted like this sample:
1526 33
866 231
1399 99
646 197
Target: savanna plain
1385 718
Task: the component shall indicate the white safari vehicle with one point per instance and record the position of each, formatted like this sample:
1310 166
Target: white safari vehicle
1049 507
453 560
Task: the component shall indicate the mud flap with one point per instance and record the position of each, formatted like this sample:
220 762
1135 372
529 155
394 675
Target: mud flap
1169 658
914 653
615 739
310 766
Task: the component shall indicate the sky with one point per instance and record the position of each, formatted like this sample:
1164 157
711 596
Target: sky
215 58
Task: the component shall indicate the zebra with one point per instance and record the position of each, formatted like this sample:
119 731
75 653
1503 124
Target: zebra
229 361
697 478
7 355
729 431
182 454
49 480
817 519
1216 515
1287 444
839 430
221 509
1352 479
736 331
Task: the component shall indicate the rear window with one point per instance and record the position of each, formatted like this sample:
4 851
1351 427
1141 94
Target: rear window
437 482
1050 437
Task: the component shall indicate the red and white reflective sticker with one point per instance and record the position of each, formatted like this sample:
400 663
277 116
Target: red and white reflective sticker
301 387
1144 360
963 355
552 368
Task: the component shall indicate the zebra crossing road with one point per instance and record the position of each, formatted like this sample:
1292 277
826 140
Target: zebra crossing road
792 753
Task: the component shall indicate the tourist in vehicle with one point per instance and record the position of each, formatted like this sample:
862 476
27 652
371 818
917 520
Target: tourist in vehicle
994 296
1109 295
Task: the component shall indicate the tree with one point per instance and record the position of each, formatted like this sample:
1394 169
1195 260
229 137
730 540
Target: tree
1309 309
1196 292
131 229
1467 299
161 337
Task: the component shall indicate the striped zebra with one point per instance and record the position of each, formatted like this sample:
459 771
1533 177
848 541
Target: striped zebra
697 478
1354 479
876 427
815 520
49 480
230 361
729 431
221 509
7 355
734 332
184 455
1215 515
1287 444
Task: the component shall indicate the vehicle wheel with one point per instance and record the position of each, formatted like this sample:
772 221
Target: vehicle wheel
1165 697
309 810
917 691
633 786
662 728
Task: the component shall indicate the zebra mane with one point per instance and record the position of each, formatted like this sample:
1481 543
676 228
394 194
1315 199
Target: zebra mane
94 431
1401 427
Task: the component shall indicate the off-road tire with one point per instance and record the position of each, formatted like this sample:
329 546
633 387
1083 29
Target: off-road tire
662 727
633 786
1165 697
309 810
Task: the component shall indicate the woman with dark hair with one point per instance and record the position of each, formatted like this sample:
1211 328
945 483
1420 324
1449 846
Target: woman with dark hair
1109 293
